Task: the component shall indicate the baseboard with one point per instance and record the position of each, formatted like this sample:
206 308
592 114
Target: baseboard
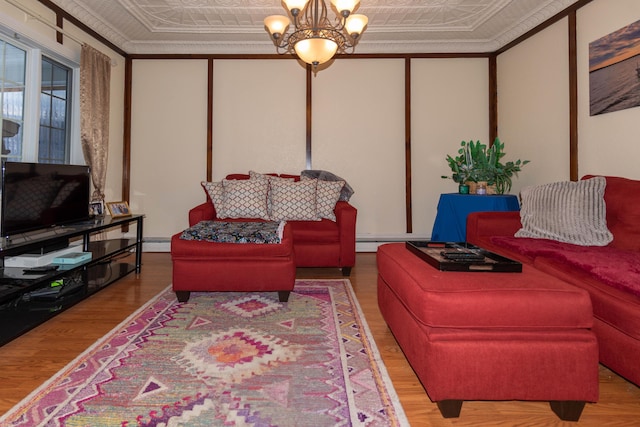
364 243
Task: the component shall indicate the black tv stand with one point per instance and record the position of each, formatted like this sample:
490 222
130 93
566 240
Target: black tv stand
28 300
53 245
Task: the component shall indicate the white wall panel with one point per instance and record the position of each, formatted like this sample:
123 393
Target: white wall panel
259 117
449 104
168 142
358 134
533 105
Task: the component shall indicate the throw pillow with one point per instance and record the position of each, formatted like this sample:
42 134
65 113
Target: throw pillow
323 175
215 190
295 201
246 198
327 195
570 212
269 178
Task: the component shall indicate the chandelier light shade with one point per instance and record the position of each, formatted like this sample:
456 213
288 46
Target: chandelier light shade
315 39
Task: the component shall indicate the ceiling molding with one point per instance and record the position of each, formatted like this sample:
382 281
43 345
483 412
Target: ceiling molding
235 26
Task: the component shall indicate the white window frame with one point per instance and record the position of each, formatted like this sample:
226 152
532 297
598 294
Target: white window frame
38 45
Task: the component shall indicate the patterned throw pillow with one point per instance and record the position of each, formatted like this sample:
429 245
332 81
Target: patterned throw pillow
246 198
570 212
327 195
269 178
215 190
294 201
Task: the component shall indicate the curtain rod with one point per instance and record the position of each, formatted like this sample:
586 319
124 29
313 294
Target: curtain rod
44 21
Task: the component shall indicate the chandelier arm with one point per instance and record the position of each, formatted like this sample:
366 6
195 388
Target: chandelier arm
318 33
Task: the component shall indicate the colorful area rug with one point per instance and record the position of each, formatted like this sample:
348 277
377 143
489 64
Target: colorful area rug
226 359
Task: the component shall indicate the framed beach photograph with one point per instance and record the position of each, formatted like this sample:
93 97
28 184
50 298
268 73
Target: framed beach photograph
614 71
96 208
118 209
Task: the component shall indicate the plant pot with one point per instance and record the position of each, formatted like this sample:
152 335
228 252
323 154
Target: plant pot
473 187
463 189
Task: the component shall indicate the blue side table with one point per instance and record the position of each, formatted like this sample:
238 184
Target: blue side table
451 221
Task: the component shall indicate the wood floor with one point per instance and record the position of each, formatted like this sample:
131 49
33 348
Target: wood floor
31 359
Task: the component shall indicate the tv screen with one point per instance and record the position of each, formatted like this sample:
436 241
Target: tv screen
41 195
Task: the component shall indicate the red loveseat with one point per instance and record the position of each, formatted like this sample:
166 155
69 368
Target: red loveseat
610 274
323 243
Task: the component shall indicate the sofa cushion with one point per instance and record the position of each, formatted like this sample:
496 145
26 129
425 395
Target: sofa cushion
613 267
245 199
612 306
322 175
293 201
267 176
323 231
215 191
622 217
327 195
571 212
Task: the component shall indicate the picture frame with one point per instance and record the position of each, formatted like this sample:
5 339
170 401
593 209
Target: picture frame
118 209
96 208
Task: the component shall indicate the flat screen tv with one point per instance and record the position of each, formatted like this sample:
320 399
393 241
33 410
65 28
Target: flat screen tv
42 195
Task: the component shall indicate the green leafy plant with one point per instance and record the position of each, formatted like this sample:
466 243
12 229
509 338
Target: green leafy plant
476 162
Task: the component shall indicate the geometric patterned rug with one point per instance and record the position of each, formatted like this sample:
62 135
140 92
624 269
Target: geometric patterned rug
226 359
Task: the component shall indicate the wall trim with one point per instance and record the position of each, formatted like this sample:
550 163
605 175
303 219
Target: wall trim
364 243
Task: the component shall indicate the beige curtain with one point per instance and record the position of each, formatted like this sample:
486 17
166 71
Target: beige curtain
95 78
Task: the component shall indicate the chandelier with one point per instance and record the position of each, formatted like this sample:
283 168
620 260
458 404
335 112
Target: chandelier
315 38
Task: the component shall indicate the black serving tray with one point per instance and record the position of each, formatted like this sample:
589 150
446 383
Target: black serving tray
450 256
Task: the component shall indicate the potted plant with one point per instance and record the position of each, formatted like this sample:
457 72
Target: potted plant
477 163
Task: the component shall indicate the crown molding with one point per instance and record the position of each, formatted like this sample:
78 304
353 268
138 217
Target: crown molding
390 39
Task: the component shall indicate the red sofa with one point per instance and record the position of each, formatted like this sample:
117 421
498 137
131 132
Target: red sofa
323 243
610 274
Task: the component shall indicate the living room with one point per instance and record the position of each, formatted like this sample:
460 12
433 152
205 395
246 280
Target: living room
163 142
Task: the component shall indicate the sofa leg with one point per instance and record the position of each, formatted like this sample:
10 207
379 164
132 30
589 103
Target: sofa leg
183 296
283 296
450 408
346 271
567 410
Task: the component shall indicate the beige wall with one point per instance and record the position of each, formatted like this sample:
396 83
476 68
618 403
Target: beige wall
608 142
533 105
358 134
259 117
449 104
168 142
259 123
533 102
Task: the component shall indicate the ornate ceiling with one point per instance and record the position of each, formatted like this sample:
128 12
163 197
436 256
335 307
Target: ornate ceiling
236 27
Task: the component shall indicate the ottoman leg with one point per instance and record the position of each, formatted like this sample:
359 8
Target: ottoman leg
283 296
567 410
450 408
346 271
183 296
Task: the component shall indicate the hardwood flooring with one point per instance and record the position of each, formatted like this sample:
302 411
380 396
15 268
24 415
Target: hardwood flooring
31 359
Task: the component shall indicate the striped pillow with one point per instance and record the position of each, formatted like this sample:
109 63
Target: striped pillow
570 212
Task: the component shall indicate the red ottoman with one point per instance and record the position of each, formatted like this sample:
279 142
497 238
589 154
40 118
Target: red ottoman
490 336
211 266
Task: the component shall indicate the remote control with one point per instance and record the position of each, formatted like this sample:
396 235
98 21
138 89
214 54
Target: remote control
462 256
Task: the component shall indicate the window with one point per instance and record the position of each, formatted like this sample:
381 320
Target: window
53 146
36 99
12 94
